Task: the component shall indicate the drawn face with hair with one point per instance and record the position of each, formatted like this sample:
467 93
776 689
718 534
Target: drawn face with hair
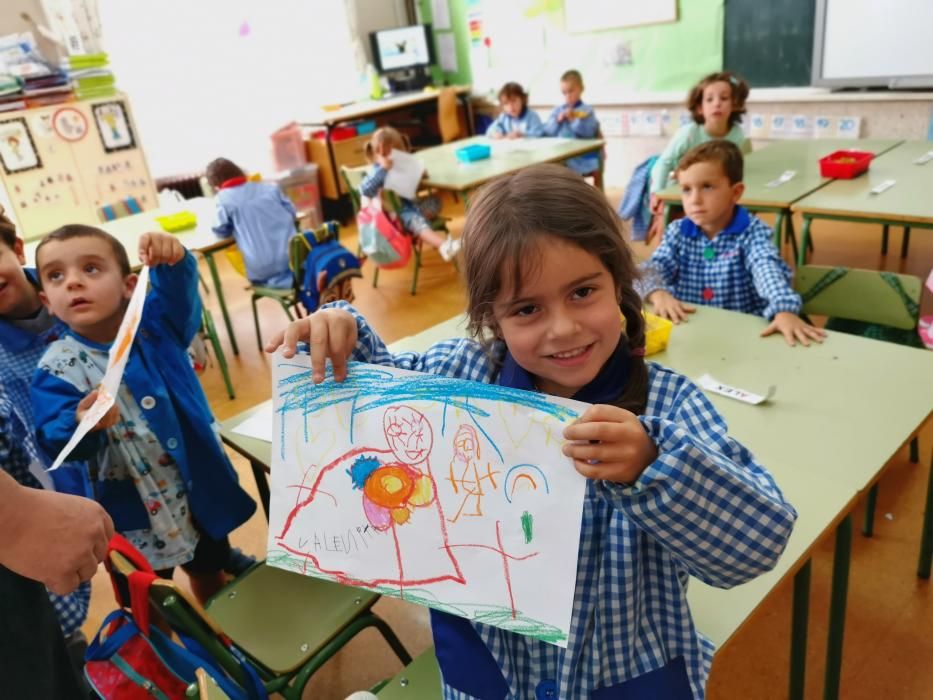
408 434
466 443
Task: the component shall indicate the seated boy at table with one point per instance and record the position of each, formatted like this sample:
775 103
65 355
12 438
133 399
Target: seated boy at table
157 464
719 254
261 219
574 119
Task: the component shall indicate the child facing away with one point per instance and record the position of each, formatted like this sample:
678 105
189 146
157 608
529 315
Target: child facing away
716 104
261 219
416 215
719 254
155 459
670 494
515 120
575 120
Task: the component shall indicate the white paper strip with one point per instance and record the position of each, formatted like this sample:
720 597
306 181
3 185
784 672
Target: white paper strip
707 382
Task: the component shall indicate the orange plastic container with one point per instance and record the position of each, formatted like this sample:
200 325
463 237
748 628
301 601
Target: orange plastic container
844 165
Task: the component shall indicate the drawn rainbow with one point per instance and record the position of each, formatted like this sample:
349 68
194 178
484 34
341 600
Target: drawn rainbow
524 472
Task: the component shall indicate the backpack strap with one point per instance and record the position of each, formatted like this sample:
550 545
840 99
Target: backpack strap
138 581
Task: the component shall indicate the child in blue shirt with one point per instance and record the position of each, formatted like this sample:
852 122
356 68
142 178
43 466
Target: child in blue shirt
515 120
156 461
575 120
261 219
669 493
719 254
417 215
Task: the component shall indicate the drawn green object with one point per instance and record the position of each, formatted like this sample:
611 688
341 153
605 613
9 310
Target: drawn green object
528 524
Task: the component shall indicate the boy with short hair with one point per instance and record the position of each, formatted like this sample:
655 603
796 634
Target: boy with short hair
575 120
159 467
719 254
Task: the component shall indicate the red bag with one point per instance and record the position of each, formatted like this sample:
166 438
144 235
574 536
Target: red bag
381 239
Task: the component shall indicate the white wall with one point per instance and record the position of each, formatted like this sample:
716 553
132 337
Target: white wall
216 77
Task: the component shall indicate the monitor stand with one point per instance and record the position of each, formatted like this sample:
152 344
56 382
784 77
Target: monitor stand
407 81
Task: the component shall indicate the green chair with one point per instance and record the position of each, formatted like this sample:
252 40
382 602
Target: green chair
210 332
205 688
875 304
285 624
419 680
352 178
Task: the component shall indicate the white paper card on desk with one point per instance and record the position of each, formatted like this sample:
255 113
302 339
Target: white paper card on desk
883 187
437 490
404 175
710 384
116 363
258 426
924 159
786 176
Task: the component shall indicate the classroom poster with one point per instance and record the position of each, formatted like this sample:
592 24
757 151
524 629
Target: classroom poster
439 491
17 150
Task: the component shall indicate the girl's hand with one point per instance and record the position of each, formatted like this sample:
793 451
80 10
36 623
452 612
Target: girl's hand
160 249
656 205
108 420
610 443
514 135
666 305
331 334
794 328
385 161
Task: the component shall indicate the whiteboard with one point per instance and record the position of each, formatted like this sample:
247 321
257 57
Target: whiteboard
593 15
866 43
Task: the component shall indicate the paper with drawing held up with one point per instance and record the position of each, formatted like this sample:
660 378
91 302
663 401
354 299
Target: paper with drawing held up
404 175
119 354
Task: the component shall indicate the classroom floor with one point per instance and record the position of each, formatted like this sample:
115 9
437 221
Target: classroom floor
890 611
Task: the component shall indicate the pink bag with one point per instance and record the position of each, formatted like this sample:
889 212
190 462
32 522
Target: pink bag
381 238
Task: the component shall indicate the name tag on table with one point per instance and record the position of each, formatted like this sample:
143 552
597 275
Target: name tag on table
710 384
786 176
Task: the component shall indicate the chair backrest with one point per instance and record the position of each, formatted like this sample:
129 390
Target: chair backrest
448 121
869 296
353 178
299 247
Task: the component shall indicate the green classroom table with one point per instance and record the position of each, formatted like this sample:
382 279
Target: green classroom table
909 203
766 165
445 172
822 438
200 239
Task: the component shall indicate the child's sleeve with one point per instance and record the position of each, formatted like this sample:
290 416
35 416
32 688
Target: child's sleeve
769 273
13 457
223 223
533 126
457 357
174 300
667 161
373 183
552 126
54 402
585 127
705 498
496 127
662 269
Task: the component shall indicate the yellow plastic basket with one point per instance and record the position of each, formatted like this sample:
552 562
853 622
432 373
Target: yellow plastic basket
180 221
657 333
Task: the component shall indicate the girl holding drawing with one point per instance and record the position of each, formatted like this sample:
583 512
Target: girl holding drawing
669 494
417 215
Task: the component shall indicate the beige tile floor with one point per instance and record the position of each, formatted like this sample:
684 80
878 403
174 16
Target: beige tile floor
888 645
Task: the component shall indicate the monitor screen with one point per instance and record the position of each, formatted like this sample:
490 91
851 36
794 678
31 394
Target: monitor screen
404 47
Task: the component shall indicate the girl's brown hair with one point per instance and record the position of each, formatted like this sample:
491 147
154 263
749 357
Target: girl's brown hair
510 90
507 220
386 136
739 95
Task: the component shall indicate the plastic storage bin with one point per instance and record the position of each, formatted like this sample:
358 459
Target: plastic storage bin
180 221
473 152
301 187
657 333
288 147
845 165
365 127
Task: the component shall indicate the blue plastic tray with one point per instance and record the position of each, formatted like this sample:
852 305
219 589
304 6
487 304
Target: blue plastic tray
476 151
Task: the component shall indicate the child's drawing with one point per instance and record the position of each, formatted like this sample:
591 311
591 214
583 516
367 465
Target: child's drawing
443 492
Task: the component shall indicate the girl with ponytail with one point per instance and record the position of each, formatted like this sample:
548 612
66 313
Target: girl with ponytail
670 495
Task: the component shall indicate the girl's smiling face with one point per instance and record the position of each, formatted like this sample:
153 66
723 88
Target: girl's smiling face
564 323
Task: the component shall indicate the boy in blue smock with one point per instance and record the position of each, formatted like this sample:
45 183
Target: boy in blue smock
261 219
575 120
720 254
515 120
155 460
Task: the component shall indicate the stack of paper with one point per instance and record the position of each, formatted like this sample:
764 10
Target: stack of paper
90 75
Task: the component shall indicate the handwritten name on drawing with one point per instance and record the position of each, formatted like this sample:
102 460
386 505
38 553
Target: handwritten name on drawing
351 540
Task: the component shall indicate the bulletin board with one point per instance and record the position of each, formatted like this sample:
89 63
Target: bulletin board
60 164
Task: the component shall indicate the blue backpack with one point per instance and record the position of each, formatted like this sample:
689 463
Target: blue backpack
327 271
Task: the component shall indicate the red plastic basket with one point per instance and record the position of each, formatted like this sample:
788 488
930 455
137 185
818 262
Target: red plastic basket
844 165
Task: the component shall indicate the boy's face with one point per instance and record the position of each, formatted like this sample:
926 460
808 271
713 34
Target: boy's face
18 298
708 196
82 285
511 106
571 90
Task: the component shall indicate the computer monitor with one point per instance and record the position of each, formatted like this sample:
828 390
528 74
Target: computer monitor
404 49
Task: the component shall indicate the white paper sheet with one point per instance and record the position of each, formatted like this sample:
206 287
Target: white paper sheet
447 49
440 14
116 363
404 175
258 425
710 384
440 491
